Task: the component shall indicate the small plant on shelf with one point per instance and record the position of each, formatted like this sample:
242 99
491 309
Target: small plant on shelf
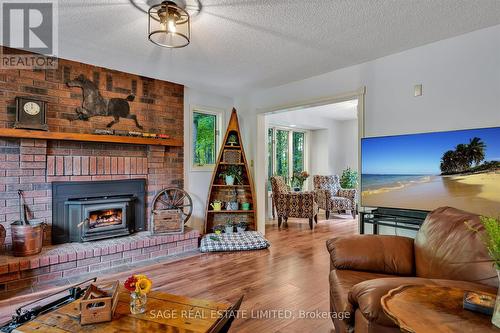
219 228
229 226
231 174
242 226
232 140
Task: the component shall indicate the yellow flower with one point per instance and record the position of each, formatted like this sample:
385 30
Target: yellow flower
143 285
140 276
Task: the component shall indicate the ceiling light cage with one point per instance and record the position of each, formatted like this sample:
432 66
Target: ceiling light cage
169 25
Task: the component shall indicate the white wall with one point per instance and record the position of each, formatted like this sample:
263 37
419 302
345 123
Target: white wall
335 148
461 88
319 152
348 131
197 183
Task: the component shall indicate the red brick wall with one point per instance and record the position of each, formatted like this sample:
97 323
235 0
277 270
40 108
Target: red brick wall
32 165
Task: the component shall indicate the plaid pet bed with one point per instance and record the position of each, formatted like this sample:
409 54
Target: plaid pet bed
244 241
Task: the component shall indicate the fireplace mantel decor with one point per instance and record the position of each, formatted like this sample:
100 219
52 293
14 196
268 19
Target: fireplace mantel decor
86 211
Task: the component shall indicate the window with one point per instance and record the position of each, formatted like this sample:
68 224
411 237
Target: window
298 151
286 152
270 152
205 139
282 154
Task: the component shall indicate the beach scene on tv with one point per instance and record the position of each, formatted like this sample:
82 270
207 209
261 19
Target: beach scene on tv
425 171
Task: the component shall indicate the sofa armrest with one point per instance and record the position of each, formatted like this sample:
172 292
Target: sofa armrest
280 202
366 295
373 253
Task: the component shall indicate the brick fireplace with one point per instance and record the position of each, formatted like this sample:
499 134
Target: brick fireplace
35 165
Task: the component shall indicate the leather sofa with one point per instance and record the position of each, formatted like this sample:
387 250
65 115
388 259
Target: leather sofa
363 268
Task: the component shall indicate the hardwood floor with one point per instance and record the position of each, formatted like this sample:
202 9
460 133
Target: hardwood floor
292 275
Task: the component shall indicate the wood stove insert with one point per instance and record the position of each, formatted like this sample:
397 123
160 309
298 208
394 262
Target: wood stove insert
87 211
99 218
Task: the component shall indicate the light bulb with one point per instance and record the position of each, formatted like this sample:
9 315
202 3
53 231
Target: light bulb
171 25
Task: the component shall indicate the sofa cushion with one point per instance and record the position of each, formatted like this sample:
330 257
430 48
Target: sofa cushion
341 203
445 248
366 295
341 282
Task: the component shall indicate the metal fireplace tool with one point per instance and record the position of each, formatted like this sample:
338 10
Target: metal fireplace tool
36 308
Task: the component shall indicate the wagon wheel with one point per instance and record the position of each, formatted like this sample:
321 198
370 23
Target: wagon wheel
174 198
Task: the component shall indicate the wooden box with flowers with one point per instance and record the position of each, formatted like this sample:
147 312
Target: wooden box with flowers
139 286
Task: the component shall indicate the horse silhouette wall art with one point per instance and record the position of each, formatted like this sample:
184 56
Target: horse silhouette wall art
93 104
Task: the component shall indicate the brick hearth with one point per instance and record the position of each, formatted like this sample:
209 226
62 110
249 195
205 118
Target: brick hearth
72 259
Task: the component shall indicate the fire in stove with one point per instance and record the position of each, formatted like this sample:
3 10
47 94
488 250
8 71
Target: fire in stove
104 218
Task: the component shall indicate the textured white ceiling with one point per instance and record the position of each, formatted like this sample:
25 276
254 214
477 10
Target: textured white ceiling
241 45
316 117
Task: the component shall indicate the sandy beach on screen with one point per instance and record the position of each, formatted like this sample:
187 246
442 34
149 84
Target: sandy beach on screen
477 193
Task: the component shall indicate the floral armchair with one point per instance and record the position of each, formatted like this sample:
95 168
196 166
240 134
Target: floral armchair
293 204
330 196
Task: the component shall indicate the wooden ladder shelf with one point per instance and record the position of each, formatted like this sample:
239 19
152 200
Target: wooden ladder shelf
242 191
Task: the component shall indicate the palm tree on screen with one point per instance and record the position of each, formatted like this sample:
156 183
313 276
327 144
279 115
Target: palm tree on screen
463 157
476 149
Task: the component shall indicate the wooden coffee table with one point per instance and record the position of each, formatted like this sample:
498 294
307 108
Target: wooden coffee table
422 309
165 313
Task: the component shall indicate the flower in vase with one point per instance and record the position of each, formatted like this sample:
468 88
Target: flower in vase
143 285
130 283
139 284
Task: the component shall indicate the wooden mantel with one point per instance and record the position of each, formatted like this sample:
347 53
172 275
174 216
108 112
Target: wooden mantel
30 134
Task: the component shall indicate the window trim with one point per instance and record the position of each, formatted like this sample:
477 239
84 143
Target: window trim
219 114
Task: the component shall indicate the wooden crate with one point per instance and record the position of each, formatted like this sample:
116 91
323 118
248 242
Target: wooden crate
98 304
232 156
167 221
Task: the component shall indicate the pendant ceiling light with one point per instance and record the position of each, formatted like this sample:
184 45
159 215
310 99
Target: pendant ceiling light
169 25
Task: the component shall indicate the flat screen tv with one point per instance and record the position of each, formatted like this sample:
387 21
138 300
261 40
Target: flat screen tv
425 171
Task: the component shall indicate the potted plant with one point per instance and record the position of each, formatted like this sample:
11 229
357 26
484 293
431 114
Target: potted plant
229 227
349 179
232 140
219 228
242 226
491 239
231 174
298 180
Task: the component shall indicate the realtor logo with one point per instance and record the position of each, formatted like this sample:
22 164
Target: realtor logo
30 25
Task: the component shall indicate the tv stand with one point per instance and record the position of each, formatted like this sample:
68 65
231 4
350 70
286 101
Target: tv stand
392 217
